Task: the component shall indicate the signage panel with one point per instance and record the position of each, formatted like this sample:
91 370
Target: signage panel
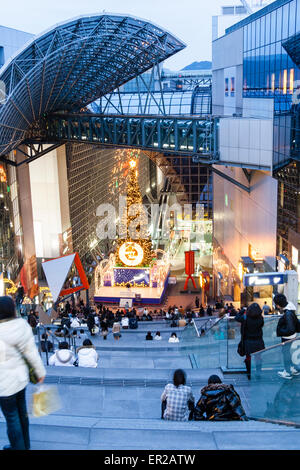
264 279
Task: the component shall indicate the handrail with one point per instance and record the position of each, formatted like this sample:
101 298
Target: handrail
276 345
196 328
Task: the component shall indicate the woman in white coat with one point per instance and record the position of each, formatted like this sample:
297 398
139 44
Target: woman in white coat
173 338
63 357
87 355
16 343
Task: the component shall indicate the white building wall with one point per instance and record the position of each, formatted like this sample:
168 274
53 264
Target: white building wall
44 182
241 219
246 141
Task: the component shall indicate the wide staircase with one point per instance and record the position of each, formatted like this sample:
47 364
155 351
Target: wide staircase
117 405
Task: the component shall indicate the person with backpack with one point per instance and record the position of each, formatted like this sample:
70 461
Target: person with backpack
287 328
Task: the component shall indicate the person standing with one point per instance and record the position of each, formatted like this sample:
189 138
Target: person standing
16 344
252 327
287 330
91 322
19 297
197 301
116 331
104 328
266 309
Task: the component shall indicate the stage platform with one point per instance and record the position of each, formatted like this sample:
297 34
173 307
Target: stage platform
139 295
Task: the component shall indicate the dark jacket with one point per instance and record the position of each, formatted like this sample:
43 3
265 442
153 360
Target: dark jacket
32 320
90 321
219 402
65 321
253 332
133 323
287 323
49 346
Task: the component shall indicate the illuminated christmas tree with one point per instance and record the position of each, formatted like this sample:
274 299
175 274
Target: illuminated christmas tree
134 246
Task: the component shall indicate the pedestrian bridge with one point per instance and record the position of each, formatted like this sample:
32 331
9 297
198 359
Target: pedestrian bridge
188 135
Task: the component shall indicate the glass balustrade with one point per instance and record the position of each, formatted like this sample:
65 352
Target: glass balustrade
218 346
273 397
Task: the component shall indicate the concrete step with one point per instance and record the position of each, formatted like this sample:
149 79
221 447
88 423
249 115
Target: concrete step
124 376
114 433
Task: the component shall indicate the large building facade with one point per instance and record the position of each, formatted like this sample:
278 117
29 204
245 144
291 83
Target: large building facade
255 89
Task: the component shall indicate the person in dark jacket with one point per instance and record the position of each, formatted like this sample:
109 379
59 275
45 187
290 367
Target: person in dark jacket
252 325
32 319
287 330
91 322
149 336
65 321
46 345
104 328
133 323
219 402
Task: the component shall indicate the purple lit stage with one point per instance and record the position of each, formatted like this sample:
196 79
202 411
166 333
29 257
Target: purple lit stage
139 295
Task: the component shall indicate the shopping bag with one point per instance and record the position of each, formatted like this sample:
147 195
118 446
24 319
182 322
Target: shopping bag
45 401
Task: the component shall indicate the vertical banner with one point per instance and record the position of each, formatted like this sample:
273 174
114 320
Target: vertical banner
189 267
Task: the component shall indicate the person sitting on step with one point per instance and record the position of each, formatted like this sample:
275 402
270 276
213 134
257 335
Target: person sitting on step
87 355
63 356
177 399
219 402
173 338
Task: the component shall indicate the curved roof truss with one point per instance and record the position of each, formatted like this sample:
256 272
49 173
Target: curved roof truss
73 64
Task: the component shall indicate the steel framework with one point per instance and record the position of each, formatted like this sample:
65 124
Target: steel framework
73 64
191 136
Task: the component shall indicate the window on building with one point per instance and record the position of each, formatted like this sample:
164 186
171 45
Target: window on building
226 86
232 86
1 56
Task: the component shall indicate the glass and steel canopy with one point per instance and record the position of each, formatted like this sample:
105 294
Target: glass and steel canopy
73 64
